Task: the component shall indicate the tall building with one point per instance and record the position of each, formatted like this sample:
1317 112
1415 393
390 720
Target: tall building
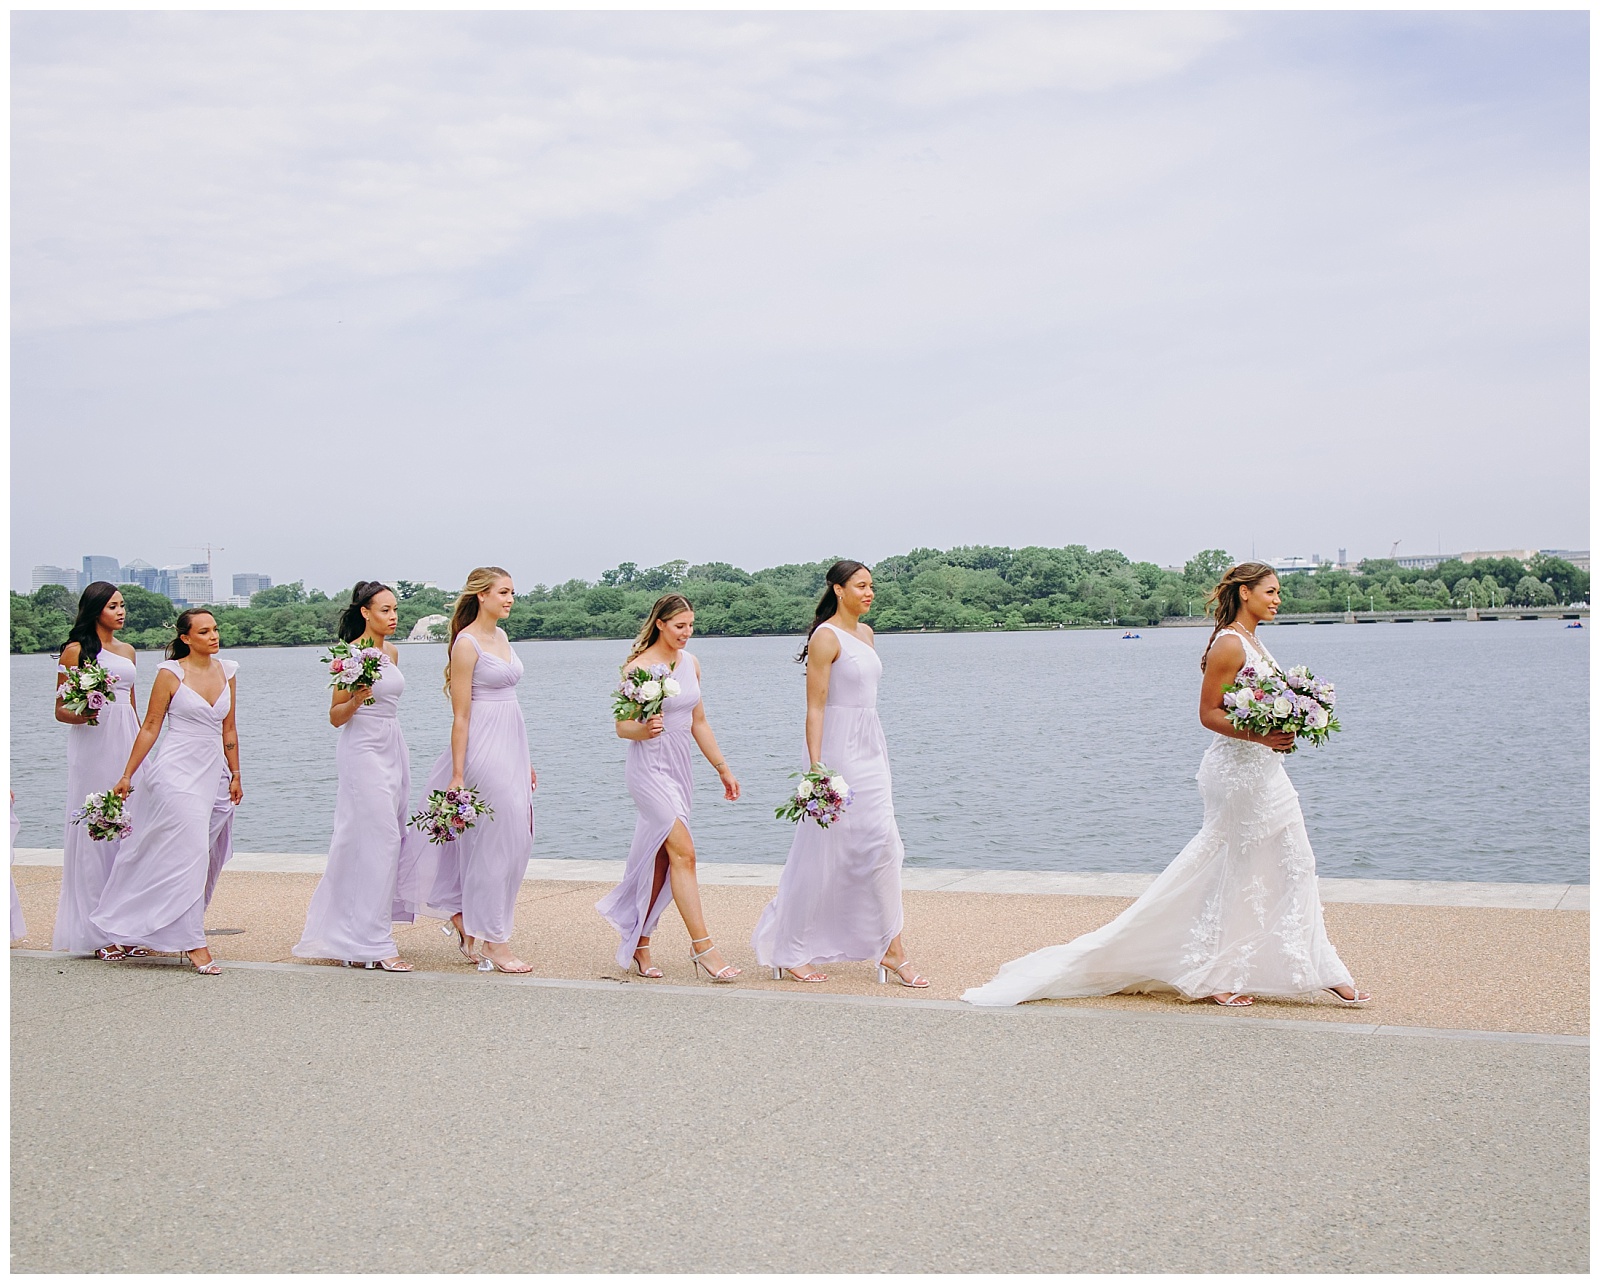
43 575
101 568
141 573
189 585
247 583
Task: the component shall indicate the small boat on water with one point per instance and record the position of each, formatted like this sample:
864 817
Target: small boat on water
1576 624
1130 637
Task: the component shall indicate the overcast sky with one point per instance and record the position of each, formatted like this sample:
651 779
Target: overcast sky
399 294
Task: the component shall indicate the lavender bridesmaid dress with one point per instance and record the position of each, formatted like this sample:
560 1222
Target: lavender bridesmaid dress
157 892
839 894
479 874
356 903
95 759
661 780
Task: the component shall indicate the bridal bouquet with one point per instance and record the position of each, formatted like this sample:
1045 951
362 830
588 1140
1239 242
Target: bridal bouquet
821 795
1264 700
450 813
643 692
87 690
102 813
349 668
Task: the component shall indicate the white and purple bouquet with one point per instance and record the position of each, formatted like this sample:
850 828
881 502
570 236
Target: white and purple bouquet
351 667
103 815
643 692
822 795
450 813
88 689
1264 700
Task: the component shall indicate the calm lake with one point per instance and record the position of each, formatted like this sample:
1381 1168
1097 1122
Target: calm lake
1465 753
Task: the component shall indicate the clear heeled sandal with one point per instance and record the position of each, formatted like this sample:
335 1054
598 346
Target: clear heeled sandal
728 971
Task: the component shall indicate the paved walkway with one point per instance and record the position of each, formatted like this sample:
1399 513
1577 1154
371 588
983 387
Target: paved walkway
291 1118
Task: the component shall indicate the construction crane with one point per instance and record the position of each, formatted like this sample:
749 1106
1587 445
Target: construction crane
1392 549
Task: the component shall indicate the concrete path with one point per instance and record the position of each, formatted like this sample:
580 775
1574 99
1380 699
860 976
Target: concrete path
281 1118
1018 882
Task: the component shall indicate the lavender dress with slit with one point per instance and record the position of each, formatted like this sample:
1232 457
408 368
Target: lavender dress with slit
480 874
353 910
839 894
95 759
165 872
661 780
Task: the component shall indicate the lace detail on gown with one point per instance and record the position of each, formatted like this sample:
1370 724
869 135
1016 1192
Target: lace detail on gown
1237 911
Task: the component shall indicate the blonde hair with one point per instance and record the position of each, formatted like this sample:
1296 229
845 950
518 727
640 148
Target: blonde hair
666 607
465 612
1223 601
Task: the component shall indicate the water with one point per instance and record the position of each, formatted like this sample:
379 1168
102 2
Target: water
1465 753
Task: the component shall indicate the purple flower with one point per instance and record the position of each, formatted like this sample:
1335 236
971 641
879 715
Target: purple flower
96 700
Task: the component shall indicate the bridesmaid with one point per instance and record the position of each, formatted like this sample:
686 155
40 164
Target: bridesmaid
95 754
660 866
155 898
474 880
839 894
357 902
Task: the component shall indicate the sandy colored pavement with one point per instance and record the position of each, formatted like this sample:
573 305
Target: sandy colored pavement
1428 966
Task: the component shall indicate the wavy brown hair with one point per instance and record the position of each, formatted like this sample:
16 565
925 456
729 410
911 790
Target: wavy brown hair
466 608
1223 601
668 605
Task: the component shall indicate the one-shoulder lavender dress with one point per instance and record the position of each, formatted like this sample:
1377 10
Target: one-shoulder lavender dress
355 905
661 780
163 876
480 874
95 759
839 894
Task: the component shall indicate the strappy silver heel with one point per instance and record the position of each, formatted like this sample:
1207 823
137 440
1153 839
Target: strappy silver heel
816 978
917 981
728 972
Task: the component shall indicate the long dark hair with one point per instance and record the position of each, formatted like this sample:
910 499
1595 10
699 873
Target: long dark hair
179 648
352 624
86 628
838 575
1224 599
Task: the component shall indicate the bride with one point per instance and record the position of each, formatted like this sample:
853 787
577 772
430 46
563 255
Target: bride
1237 913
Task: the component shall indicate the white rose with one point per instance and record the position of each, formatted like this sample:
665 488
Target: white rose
836 783
1281 707
671 687
1319 718
803 790
86 680
649 691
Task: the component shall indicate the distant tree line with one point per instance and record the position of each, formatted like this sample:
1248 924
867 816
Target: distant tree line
962 589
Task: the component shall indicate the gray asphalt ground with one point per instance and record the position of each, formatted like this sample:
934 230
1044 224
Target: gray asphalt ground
313 1119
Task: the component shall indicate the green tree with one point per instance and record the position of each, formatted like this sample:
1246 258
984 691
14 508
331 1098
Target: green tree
280 595
147 610
1566 581
1532 592
1206 568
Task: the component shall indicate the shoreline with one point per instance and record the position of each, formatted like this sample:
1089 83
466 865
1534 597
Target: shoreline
1429 616
1453 893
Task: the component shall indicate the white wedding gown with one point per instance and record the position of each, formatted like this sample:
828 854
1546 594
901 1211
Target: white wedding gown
1236 913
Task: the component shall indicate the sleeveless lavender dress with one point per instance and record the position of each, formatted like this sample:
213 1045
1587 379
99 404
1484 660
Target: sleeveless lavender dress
839 894
479 874
661 780
95 759
356 902
163 877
